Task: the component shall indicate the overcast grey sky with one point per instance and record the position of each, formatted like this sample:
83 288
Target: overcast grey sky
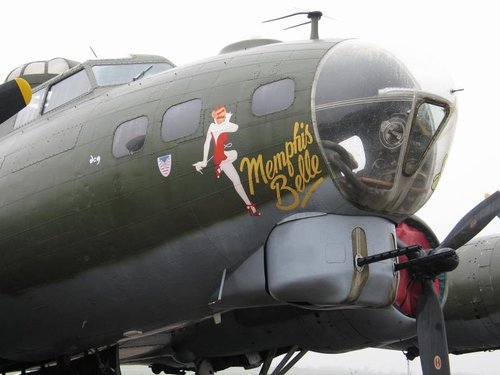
461 36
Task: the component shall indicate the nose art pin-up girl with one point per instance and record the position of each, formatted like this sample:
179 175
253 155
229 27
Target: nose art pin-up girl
218 134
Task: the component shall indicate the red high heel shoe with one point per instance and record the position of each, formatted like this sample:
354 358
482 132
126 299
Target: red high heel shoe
218 171
252 210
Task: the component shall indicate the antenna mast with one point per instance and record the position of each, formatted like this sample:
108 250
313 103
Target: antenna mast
314 17
314 21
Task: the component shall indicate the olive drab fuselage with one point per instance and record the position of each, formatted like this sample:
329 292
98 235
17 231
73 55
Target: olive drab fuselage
213 202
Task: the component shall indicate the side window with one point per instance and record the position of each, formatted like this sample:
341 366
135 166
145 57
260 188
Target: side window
66 90
273 97
129 137
31 111
181 120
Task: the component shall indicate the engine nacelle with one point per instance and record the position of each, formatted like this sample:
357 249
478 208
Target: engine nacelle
472 310
310 261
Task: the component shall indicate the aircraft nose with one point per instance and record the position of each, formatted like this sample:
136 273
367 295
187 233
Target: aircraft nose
379 127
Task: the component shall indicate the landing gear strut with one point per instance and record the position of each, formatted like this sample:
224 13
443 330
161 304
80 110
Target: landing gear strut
286 363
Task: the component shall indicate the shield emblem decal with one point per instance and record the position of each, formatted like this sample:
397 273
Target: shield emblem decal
165 165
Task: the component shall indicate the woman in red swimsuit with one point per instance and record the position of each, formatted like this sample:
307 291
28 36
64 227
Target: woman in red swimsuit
218 134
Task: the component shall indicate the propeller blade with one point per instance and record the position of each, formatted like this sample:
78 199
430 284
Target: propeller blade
431 332
14 96
472 223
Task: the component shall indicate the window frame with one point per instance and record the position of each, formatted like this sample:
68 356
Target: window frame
65 80
267 85
184 135
411 169
36 113
99 71
124 145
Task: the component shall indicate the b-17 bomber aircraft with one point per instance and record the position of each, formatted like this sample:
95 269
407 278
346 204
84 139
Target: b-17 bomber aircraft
254 204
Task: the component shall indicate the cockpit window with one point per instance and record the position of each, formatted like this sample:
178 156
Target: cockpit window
119 74
66 90
31 111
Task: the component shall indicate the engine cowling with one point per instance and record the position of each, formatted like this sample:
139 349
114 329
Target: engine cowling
472 310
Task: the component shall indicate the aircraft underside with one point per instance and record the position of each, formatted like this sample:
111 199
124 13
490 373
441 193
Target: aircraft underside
252 337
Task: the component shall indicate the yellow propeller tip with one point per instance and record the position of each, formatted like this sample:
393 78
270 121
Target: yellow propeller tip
25 89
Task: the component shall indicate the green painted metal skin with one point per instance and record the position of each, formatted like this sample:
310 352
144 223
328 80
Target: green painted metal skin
471 316
62 210
63 218
64 202
93 246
